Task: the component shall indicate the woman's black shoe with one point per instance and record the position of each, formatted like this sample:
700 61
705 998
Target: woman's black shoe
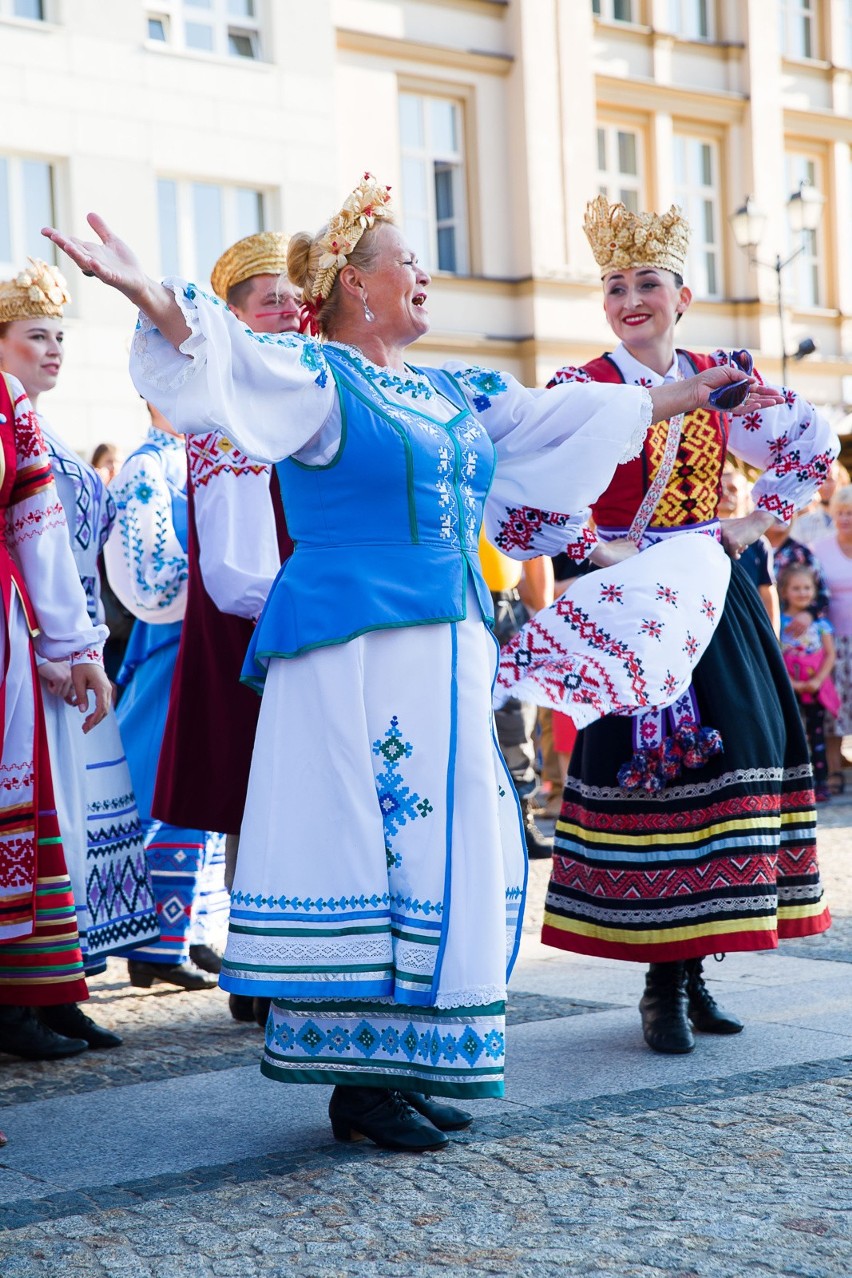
445 1117
261 1011
383 1117
70 1019
186 975
22 1034
663 1008
205 957
704 1012
241 1007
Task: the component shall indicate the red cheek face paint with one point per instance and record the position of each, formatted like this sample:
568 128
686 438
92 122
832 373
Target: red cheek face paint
270 314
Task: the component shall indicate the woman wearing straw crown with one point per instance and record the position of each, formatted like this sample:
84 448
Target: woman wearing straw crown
383 920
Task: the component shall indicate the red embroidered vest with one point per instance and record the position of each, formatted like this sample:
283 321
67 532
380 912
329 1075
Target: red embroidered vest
692 493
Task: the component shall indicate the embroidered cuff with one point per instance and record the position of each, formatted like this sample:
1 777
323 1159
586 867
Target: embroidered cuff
635 444
88 656
580 549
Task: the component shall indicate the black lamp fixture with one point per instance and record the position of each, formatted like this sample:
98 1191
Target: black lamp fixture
748 223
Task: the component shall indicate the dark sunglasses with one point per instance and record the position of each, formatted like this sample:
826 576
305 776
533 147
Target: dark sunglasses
735 393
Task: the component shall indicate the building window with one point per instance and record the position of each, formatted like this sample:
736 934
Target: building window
691 19
33 9
805 273
26 205
696 178
230 28
614 10
198 220
620 165
433 181
798 28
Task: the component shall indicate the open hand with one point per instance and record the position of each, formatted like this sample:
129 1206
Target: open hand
91 677
759 396
607 553
738 534
111 261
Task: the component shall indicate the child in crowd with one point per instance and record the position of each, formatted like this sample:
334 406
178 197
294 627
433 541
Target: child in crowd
809 656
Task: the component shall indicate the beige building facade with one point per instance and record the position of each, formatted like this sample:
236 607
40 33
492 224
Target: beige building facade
187 123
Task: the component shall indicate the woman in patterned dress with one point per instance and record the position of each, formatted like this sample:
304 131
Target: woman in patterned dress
45 615
382 919
689 833
101 833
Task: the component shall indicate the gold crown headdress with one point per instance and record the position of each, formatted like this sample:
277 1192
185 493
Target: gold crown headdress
262 254
39 291
621 239
369 203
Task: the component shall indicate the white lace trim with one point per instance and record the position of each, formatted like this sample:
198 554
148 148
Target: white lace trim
194 346
635 444
479 997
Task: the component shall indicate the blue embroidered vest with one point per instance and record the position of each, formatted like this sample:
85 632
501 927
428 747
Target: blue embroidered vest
386 533
146 638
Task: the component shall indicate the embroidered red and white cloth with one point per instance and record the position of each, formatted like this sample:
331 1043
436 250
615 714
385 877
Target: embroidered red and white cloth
650 617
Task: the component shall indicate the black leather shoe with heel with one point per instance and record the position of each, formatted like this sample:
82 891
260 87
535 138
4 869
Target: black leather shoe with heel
23 1034
384 1117
445 1117
70 1020
185 975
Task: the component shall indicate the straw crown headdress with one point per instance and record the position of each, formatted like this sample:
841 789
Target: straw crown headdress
621 240
367 204
262 254
38 292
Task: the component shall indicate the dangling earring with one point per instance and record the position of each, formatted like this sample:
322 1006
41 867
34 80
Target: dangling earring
368 314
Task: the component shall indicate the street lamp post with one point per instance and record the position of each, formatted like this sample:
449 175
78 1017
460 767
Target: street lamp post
804 210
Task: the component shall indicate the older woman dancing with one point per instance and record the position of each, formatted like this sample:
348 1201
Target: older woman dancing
383 919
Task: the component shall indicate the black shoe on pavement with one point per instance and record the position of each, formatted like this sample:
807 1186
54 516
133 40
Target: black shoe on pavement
261 1011
241 1007
22 1034
663 1008
383 1117
539 845
205 957
445 1117
186 975
704 1012
70 1019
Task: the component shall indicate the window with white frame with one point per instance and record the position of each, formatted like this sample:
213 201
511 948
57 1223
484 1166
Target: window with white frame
696 190
615 10
230 28
804 275
691 19
198 220
26 205
798 28
433 181
620 165
33 9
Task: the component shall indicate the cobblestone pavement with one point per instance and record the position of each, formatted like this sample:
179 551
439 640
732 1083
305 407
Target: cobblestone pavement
720 1176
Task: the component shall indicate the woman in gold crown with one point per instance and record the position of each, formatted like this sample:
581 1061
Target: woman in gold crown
44 616
691 831
383 919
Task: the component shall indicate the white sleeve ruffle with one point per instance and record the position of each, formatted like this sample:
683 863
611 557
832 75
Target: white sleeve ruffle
271 393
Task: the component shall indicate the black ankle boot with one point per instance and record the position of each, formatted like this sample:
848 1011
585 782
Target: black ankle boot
241 1007
22 1034
704 1012
70 1019
382 1117
663 1008
539 845
447 1118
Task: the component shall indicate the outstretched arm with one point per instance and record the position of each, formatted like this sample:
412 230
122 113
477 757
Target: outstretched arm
114 263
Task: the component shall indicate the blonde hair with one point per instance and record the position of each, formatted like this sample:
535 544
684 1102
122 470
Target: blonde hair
841 497
303 257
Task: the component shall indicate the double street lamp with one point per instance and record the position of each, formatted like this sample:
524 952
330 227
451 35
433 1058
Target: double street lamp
804 211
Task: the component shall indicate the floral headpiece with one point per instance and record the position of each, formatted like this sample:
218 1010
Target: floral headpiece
369 203
621 240
262 254
39 291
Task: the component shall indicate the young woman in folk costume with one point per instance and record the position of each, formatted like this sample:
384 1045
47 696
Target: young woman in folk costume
353 909
689 832
147 566
98 820
236 541
44 614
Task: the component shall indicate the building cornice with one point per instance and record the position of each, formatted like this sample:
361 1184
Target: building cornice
640 94
821 126
435 55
